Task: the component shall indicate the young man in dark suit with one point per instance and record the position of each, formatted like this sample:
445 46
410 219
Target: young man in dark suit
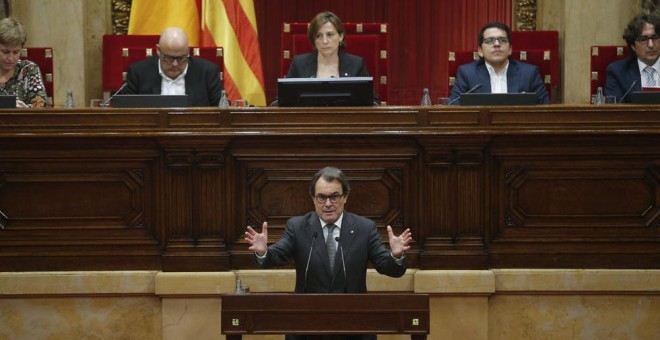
495 72
625 76
172 71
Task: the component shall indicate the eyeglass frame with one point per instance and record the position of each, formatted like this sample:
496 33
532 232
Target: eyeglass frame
170 58
334 198
644 39
491 40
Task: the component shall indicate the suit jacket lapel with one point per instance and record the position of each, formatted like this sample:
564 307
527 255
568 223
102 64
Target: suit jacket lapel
633 74
484 78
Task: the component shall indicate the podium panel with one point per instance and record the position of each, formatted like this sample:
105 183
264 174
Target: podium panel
342 314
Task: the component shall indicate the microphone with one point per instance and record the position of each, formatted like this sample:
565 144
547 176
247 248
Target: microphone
309 257
469 91
107 102
628 91
343 263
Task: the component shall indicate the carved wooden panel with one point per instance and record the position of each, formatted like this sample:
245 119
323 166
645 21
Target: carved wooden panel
173 190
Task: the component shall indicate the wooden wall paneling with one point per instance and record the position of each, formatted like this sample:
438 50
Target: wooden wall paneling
172 189
195 213
76 204
456 199
570 201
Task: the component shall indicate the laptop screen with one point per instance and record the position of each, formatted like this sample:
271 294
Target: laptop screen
490 99
7 102
646 97
149 100
342 91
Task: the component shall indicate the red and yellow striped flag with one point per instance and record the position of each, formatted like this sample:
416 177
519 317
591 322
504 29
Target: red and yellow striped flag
149 17
232 24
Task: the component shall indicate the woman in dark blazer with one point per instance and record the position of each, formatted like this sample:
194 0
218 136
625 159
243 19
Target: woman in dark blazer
326 34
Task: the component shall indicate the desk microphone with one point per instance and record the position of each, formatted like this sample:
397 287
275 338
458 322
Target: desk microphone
469 91
107 102
628 91
343 263
309 257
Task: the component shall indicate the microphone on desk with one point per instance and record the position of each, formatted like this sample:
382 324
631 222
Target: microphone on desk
309 257
469 91
628 91
343 263
106 103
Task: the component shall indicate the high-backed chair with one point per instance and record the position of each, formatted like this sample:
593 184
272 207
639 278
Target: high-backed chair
540 48
601 56
115 47
123 50
367 40
43 57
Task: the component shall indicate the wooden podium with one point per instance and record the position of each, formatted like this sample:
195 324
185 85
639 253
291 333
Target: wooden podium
319 314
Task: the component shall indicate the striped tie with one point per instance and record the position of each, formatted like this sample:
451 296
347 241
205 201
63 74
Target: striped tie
330 245
650 76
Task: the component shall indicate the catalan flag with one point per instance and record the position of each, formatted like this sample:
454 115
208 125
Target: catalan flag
232 24
149 17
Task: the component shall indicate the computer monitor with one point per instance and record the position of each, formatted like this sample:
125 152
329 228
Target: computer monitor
494 99
149 100
346 91
7 102
645 97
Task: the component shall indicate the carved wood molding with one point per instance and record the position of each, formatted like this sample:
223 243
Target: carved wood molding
121 12
524 15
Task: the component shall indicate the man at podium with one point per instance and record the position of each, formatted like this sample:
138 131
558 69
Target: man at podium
331 247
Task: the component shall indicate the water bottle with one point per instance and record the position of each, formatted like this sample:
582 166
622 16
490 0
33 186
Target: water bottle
69 99
426 98
599 98
224 102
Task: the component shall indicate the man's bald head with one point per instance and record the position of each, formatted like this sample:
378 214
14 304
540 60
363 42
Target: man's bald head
173 45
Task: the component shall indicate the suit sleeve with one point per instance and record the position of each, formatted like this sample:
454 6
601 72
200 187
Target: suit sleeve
213 83
280 252
613 84
381 257
294 71
536 85
460 85
132 81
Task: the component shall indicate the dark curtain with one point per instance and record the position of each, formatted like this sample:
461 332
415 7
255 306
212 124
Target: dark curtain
421 35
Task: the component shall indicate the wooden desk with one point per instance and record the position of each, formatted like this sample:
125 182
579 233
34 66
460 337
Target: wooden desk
480 187
325 314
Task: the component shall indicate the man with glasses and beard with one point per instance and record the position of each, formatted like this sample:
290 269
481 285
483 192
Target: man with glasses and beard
174 72
331 247
641 70
495 72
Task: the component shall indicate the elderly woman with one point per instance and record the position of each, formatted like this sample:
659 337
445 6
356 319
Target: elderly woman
20 78
326 34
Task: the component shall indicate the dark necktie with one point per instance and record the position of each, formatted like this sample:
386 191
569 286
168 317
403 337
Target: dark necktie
330 245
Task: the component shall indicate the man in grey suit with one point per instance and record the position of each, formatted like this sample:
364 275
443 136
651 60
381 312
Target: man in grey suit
174 72
354 241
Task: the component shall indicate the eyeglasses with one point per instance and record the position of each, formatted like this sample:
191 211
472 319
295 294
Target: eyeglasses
492 40
334 198
170 59
644 39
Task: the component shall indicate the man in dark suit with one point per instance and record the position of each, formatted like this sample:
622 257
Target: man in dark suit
495 72
172 71
336 263
625 76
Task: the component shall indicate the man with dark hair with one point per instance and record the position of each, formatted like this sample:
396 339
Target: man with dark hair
331 247
625 76
495 72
